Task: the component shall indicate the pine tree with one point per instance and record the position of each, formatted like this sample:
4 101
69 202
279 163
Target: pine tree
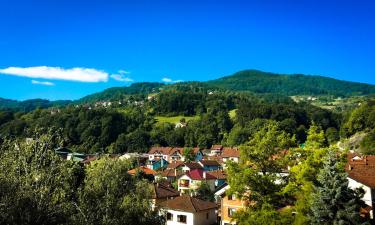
334 202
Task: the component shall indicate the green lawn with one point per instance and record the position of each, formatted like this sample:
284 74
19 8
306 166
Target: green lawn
174 119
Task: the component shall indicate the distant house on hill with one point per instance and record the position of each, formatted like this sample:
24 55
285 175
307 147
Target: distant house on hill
157 164
230 154
210 165
189 210
172 154
361 173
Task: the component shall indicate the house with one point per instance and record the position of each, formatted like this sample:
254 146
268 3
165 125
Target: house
157 164
210 165
220 177
229 204
172 154
186 167
171 175
161 192
361 173
230 154
188 210
192 180
216 150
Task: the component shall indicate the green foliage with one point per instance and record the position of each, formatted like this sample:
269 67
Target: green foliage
188 154
256 175
204 192
262 82
333 201
37 187
360 119
368 144
111 196
29 105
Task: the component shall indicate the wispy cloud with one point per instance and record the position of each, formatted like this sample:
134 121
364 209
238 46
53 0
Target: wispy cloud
169 80
46 83
58 73
122 75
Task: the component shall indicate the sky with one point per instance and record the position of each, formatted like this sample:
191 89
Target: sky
67 49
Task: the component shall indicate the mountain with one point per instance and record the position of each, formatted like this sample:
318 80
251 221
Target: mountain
117 93
29 105
296 84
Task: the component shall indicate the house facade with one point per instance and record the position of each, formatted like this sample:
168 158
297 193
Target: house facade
188 210
229 205
192 180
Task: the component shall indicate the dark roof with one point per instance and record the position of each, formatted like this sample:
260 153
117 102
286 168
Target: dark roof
210 163
230 152
192 165
164 190
174 165
186 203
361 169
163 150
171 173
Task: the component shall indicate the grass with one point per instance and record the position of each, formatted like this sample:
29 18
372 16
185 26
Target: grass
174 119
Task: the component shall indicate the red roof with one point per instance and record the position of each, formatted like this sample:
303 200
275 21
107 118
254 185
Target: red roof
199 174
186 203
218 174
143 169
361 169
230 152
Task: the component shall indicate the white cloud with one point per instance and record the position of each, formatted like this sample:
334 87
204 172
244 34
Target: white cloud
122 78
46 83
169 80
123 72
58 73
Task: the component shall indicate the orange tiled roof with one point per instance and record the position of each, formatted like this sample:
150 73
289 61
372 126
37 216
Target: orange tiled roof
361 169
143 169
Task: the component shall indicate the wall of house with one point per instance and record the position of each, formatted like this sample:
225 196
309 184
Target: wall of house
201 217
367 198
225 205
189 218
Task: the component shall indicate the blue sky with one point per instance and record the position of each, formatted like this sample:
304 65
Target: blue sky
150 40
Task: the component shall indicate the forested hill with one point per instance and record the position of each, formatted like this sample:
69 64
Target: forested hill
29 105
297 84
118 93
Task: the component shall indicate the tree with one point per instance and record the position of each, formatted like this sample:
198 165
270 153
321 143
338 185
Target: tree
204 192
37 186
332 135
188 154
256 177
333 201
111 196
368 144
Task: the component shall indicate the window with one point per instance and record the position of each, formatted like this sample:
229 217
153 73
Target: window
231 212
231 197
169 216
207 215
181 218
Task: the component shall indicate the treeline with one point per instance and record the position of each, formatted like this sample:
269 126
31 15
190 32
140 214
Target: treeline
29 105
256 81
133 128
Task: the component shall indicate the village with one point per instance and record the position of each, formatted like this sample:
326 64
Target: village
177 174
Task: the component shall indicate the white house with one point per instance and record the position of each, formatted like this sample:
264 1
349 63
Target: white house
188 210
361 174
192 180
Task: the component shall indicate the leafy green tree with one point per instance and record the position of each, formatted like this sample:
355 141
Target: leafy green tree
37 186
204 192
333 201
188 154
111 196
256 178
332 135
368 144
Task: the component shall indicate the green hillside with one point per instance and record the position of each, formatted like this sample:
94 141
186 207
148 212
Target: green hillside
29 105
297 84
